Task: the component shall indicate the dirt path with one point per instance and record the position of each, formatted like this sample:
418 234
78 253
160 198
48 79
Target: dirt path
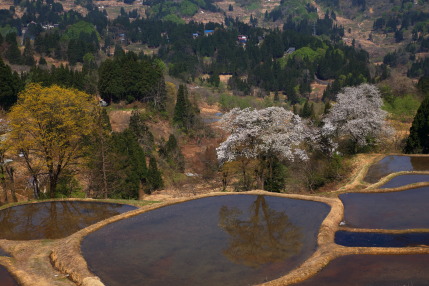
30 263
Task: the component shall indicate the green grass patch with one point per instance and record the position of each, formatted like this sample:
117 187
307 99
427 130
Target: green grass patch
402 108
254 6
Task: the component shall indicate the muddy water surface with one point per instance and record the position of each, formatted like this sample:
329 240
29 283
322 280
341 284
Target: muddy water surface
51 220
395 210
373 270
224 240
392 164
5 278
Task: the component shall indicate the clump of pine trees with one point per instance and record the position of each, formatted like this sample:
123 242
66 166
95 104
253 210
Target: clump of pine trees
121 163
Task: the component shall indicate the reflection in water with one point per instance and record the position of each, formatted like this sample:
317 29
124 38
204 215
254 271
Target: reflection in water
392 164
267 236
53 220
373 239
420 163
5 278
403 180
398 210
3 253
185 244
373 270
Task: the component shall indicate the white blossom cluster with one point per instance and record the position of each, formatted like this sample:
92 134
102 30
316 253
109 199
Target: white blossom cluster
357 114
272 130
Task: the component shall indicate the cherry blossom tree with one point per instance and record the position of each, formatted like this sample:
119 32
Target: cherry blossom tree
357 116
266 134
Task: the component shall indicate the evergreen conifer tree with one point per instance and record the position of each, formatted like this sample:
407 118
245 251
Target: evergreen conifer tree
141 131
184 115
10 85
130 163
172 153
154 177
42 61
418 140
13 54
119 52
28 56
327 107
306 110
276 96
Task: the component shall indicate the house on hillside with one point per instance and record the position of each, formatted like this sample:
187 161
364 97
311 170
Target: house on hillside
242 39
208 32
290 50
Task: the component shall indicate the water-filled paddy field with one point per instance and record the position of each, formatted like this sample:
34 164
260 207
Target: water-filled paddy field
393 210
374 270
3 253
393 164
241 239
374 239
225 240
56 219
403 180
5 278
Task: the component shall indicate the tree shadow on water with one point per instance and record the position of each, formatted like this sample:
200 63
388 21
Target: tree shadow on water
266 236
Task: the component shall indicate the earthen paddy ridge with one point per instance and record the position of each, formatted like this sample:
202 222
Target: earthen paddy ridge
60 261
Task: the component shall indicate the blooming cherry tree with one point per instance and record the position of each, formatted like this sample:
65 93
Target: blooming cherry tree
358 116
272 130
268 135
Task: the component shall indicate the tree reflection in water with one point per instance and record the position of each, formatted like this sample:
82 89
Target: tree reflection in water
267 236
52 220
419 163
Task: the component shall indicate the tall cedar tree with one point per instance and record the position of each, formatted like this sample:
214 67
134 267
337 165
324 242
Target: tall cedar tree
154 177
418 141
141 131
171 152
130 165
28 55
100 165
184 114
10 85
13 54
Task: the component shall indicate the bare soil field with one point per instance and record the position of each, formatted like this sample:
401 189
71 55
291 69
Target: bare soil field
360 31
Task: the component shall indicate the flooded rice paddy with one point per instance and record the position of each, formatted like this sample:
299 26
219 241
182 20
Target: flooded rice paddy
56 219
234 240
5 278
373 239
393 164
3 253
403 180
394 210
374 270
224 240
